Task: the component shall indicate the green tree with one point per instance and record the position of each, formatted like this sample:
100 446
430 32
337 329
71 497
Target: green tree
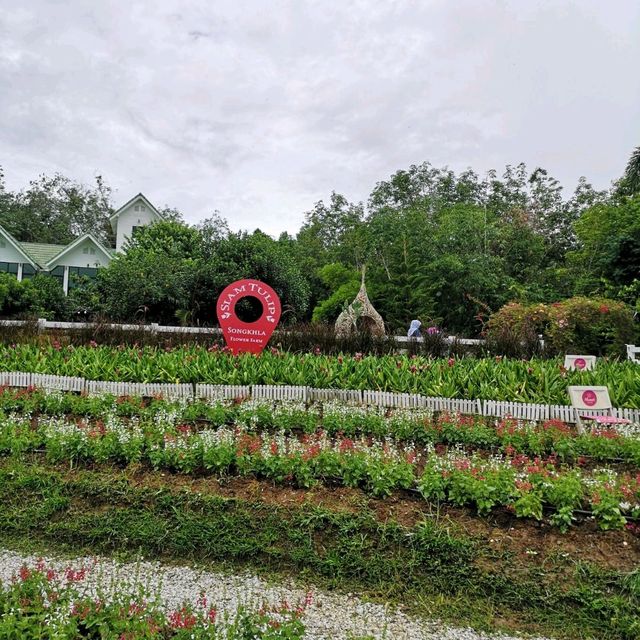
57 210
171 271
153 278
609 235
344 282
630 182
332 232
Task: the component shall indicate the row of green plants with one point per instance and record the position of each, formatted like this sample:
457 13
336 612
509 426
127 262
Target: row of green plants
527 487
432 566
539 381
422 427
48 603
518 483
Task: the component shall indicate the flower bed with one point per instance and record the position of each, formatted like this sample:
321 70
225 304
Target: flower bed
538 381
281 444
42 602
422 427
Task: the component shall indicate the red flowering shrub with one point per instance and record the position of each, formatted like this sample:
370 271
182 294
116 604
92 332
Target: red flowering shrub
576 325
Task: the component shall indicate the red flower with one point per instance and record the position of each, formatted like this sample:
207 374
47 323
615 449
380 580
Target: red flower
603 308
346 445
451 362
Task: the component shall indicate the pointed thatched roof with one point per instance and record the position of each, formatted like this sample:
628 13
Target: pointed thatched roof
360 315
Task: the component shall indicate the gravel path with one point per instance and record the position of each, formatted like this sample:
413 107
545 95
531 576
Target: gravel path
330 616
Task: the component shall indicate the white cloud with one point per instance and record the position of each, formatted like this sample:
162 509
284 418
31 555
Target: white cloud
260 109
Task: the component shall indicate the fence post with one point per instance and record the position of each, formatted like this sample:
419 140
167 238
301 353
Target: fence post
42 325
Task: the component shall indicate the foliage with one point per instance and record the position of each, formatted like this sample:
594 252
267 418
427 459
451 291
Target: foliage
630 181
13 300
539 381
344 283
439 246
174 271
430 564
154 277
40 296
577 325
57 210
43 601
609 235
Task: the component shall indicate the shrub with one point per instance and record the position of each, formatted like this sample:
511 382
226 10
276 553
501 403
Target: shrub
581 325
515 329
12 296
594 326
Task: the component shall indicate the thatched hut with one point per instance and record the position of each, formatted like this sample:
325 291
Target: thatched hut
360 315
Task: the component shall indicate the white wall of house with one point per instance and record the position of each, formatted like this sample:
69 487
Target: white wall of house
8 252
137 214
86 254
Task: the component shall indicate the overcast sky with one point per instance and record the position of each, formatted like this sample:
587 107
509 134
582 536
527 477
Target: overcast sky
260 108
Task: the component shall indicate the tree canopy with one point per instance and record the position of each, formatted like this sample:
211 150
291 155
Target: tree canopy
444 247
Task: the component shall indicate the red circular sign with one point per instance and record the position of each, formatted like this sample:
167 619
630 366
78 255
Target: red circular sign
243 336
589 398
579 363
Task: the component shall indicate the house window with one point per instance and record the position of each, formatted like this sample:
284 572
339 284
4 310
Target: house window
85 250
58 274
28 271
76 273
135 230
2 242
92 251
9 267
139 207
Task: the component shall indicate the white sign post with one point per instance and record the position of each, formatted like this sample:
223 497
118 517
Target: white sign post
579 363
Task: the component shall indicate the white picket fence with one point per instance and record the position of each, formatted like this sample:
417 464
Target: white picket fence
493 408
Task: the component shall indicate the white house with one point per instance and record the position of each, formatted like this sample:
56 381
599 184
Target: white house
82 257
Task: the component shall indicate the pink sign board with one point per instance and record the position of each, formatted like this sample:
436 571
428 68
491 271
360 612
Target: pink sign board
251 337
589 398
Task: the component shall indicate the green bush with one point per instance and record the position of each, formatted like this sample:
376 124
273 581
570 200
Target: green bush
580 325
12 296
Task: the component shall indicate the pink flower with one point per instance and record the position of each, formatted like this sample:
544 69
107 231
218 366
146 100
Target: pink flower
451 361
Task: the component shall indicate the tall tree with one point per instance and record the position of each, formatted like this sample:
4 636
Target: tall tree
630 184
57 210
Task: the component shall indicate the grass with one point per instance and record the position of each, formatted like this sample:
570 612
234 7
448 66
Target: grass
431 568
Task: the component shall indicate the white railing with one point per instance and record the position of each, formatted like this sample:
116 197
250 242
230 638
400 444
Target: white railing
154 328
632 353
491 408
44 325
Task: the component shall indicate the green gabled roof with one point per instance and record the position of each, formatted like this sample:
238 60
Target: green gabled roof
42 253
